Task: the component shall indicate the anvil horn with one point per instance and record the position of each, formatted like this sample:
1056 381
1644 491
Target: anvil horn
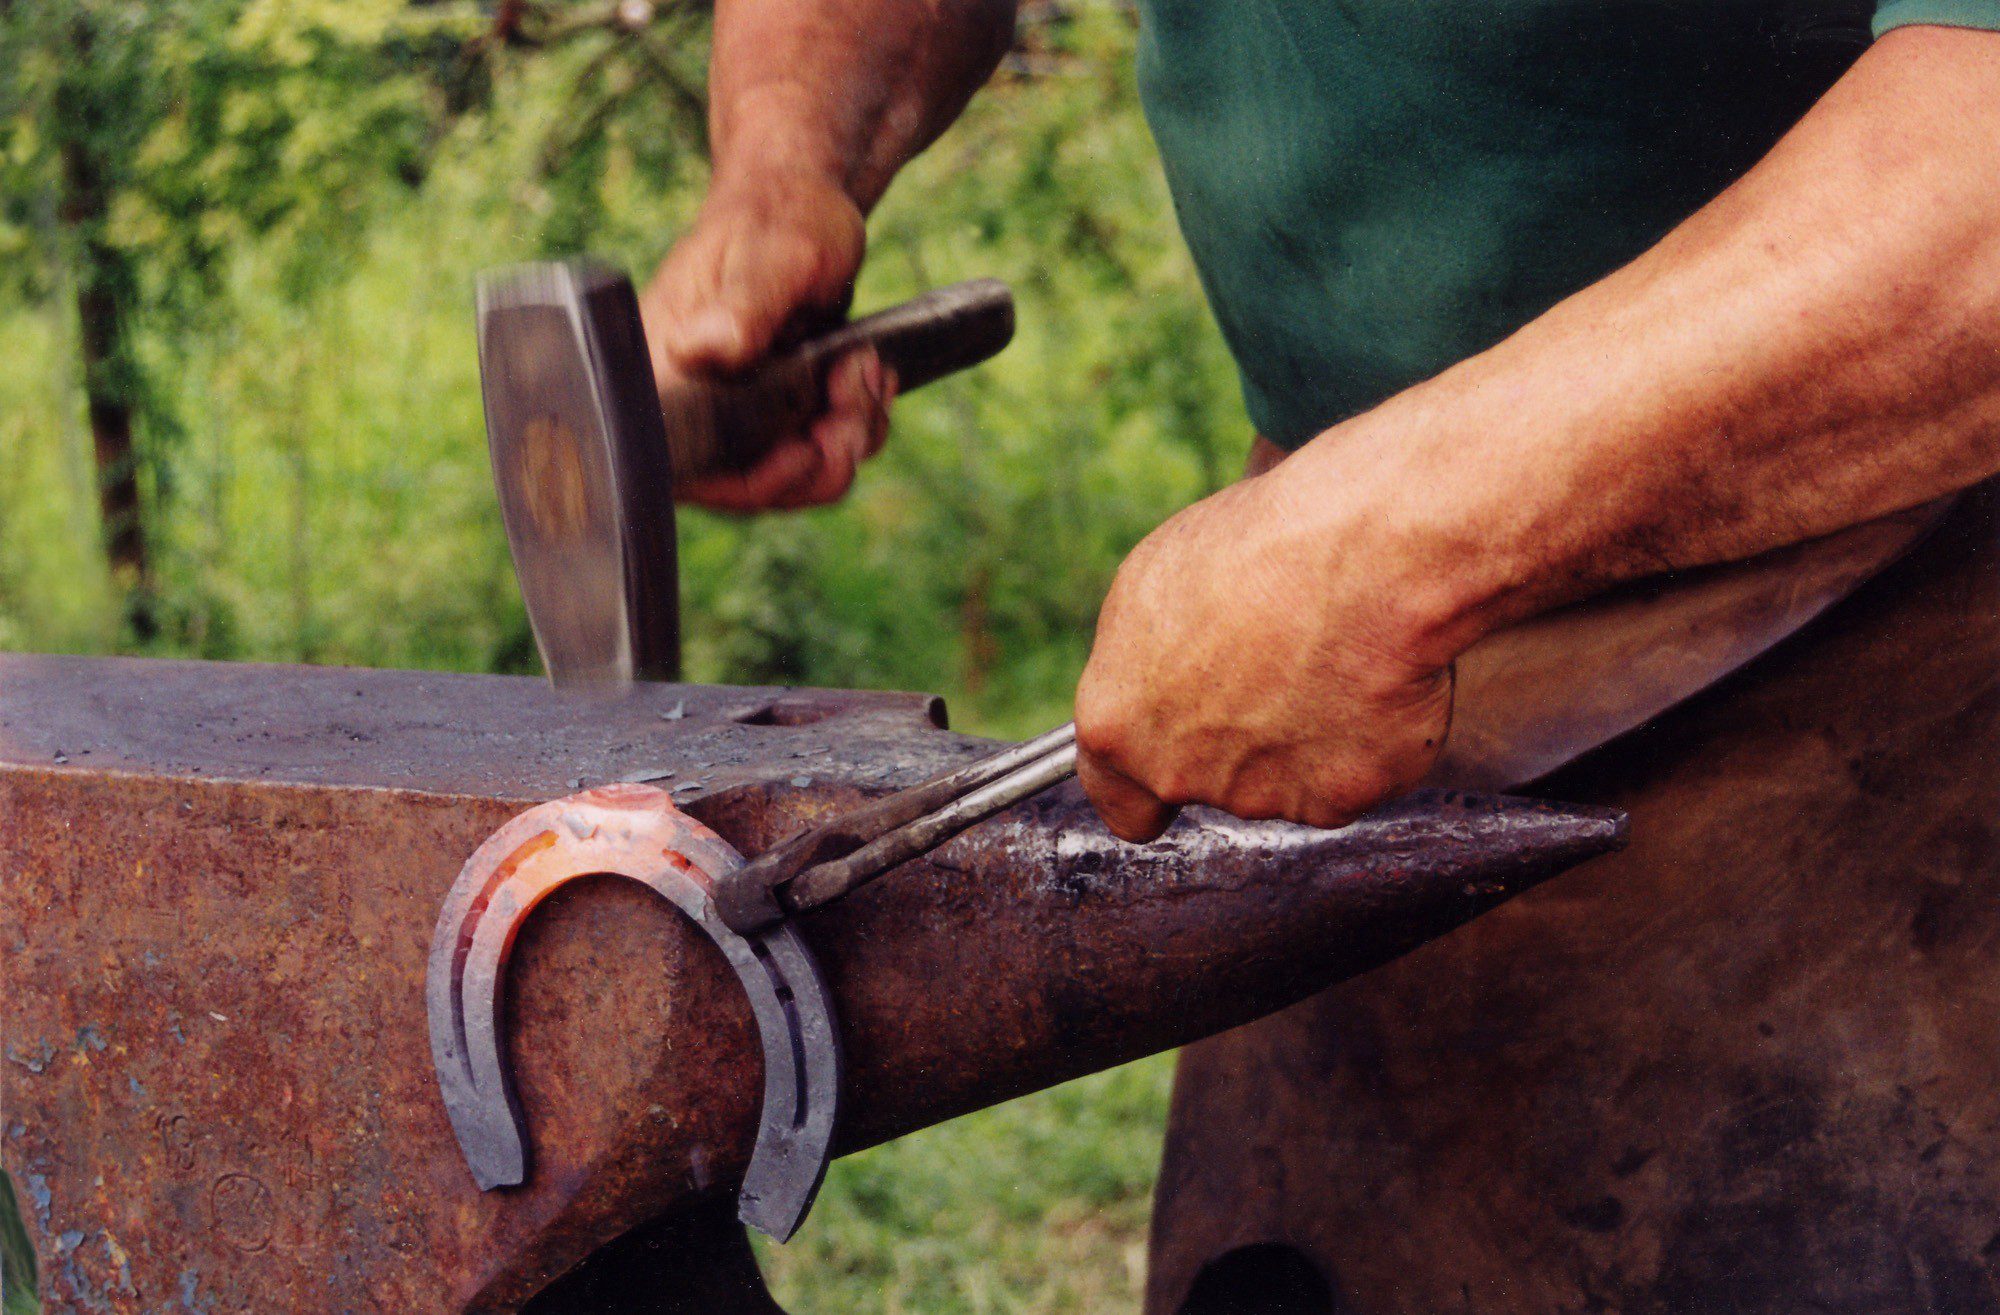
634 831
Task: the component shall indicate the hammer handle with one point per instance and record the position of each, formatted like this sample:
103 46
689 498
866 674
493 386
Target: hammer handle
927 337
728 425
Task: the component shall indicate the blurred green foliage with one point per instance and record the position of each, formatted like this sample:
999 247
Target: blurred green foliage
305 190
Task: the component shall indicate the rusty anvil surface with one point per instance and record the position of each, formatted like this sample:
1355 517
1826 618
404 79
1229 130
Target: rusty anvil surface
217 890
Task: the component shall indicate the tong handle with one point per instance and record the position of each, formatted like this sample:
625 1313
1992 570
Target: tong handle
828 881
750 897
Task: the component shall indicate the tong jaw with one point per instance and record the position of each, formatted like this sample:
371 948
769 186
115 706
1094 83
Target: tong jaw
631 831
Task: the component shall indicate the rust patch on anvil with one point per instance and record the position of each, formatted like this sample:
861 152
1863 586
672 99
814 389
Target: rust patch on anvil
216 1076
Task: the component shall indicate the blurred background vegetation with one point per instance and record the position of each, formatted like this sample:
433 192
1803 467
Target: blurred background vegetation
239 417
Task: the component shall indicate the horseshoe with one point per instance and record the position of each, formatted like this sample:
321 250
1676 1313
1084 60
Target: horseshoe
635 832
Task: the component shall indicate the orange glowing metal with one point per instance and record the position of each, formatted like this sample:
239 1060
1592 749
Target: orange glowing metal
631 831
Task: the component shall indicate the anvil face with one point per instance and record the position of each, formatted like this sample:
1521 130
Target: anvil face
221 882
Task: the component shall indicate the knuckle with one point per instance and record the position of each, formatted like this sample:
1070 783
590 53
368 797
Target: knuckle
1100 728
1327 817
1251 801
1177 783
1340 802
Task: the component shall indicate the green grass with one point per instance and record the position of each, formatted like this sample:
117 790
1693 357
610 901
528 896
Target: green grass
1038 1206
17 1258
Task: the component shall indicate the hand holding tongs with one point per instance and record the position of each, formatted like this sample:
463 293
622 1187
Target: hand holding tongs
820 865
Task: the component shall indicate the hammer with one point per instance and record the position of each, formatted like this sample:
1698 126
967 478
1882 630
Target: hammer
585 450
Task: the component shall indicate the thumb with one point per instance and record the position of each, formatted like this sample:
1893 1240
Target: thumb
715 305
751 271
1129 809
702 325
717 337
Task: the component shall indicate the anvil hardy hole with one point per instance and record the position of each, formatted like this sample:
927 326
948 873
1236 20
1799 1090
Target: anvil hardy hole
785 712
795 711
1268 1278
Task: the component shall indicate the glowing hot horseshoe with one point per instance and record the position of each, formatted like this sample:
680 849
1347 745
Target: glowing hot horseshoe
631 831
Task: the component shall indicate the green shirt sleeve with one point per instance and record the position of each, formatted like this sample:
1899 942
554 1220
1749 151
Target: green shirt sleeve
1890 14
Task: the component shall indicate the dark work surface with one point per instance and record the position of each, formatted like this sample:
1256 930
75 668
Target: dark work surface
448 733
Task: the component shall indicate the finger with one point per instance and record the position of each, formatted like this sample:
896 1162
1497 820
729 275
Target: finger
771 282
855 401
816 470
1132 811
788 466
821 473
880 380
688 328
715 339
844 433
839 442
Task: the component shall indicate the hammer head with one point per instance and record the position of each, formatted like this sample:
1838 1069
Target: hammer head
580 460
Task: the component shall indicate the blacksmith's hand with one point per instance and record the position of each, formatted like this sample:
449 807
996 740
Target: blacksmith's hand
1267 651
773 251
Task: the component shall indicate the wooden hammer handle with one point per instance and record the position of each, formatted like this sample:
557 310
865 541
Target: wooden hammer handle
927 337
727 425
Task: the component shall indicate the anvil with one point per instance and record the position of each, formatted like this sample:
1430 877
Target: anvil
220 881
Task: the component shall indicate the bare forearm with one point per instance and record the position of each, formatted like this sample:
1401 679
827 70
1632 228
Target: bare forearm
847 89
1818 347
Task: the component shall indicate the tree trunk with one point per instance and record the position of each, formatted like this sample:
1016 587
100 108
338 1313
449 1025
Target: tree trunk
102 339
105 288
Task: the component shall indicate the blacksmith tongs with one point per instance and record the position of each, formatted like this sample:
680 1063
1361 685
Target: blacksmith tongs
823 863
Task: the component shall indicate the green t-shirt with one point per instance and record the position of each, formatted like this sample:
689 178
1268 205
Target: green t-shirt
1376 189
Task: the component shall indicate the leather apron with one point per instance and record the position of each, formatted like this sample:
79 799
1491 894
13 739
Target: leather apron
1750 1064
